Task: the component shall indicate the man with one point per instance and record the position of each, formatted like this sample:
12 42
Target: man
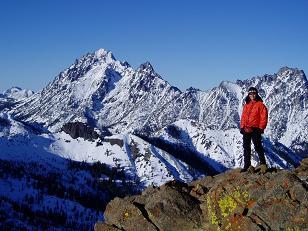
253 123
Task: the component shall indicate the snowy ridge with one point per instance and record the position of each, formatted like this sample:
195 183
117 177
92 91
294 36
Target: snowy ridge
122 151
224 147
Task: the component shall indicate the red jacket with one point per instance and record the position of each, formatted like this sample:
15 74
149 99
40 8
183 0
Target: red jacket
254 115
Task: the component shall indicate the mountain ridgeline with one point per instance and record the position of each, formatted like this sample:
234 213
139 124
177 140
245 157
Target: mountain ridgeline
109 94
104 92
102 113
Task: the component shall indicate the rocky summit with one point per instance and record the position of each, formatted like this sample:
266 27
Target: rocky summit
276 200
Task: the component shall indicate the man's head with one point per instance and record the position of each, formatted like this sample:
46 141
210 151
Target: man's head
252 90
252 93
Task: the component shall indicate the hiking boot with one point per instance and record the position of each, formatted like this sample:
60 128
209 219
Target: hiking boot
244 169
263 168
250 169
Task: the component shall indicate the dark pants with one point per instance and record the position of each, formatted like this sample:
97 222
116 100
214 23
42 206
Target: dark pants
256 138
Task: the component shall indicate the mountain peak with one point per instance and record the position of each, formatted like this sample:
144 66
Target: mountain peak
287 71
13 89
294 73
192 89
146 67
105 54
17 93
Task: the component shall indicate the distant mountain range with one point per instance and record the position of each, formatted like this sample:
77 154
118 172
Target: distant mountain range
102 110
16 93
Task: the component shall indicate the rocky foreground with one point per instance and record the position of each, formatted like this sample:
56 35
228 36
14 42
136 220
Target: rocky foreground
277 200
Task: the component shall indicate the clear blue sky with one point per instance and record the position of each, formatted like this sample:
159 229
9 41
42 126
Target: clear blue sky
196 43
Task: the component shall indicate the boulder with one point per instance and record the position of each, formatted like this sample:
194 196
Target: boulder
127 215
172 208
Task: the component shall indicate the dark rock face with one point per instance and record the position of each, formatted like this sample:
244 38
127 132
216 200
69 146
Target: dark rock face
78 129
276 200
115 141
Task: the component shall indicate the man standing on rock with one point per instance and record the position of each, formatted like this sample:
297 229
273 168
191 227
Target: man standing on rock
253 123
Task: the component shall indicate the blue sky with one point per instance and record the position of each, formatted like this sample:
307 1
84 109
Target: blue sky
190 43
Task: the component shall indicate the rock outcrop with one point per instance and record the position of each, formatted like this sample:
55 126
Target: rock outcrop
78 129
276 200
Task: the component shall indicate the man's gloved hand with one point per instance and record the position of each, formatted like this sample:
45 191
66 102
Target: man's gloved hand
259 130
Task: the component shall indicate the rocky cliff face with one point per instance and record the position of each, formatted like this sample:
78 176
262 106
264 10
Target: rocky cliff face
78 129
277 200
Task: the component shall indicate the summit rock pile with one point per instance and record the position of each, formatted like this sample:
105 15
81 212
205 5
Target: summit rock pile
276 200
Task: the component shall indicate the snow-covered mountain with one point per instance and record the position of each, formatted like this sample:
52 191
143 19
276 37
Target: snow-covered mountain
109 94
16 93
141 160
9 97
101 111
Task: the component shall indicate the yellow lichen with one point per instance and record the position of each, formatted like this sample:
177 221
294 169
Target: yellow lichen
126 214
229 202
211 213
227 205
293 229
